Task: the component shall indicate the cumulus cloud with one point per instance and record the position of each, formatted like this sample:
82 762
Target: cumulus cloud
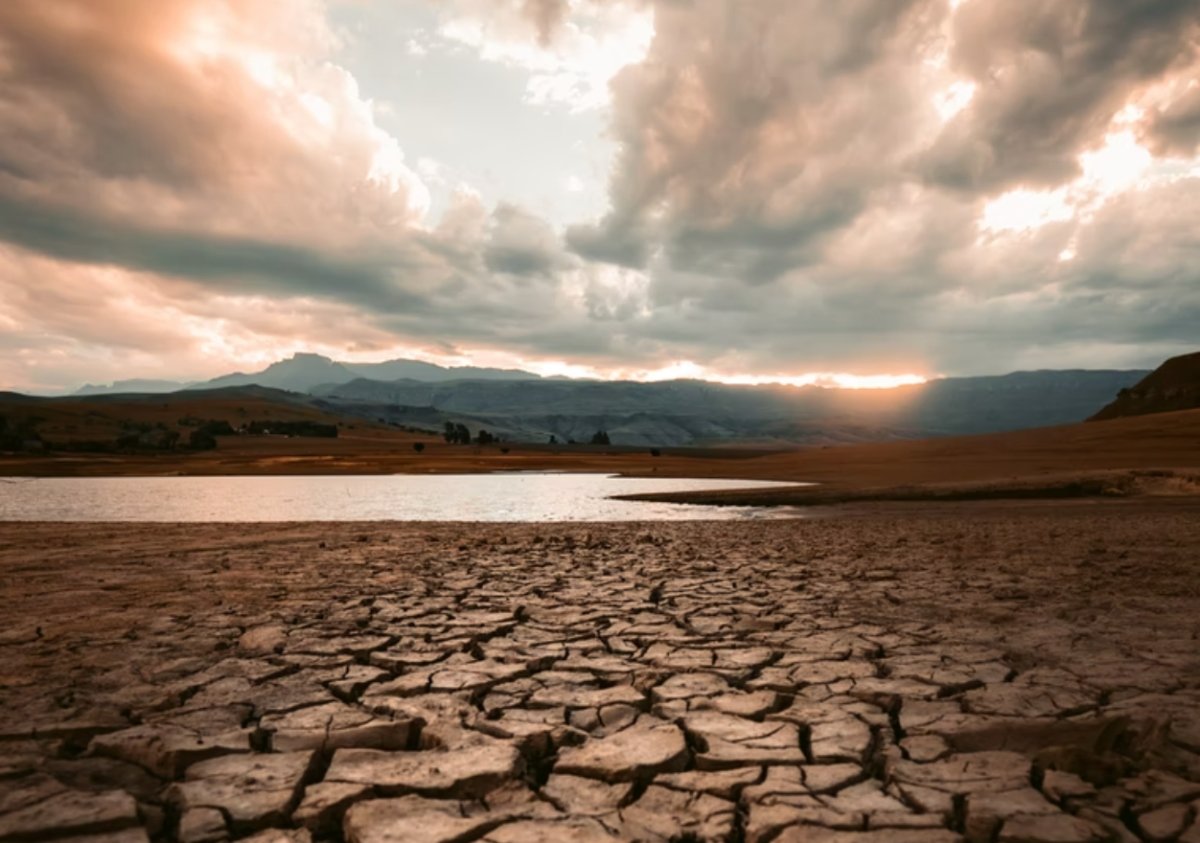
883 185
750 131
908 179
1049 78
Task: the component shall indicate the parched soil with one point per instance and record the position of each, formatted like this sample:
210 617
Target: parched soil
924 673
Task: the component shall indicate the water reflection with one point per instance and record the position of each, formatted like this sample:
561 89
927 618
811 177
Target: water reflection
446 497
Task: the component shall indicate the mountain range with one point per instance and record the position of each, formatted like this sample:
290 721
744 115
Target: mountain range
302 372
686 412
521 406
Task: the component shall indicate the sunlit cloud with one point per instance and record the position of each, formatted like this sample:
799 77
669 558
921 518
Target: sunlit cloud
953 99
573 66
1120 164
1023 210
783 191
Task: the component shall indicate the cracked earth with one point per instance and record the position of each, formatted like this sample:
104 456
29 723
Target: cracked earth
977 673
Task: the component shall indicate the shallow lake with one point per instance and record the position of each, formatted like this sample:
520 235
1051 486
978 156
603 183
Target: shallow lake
396 497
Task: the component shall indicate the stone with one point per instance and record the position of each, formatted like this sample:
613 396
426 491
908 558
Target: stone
820 778
1055 828
725 741
97 774
167 750
970 772
469 772
925 747
263 640
573 829
280 835
414 819
334 725
815 834
63 812
202 825
125 835
986 811
649 746
665 814
573 696
1060 786
1165 823
724 783
254 791
324 804
579 796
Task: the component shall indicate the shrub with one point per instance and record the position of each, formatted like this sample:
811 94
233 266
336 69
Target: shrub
457 434
297 428
418 447
202 440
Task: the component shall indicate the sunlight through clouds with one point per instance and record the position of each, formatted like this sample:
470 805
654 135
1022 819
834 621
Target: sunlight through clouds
573 66
782 190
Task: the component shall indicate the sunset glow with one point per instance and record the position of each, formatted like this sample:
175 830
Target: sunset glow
772 192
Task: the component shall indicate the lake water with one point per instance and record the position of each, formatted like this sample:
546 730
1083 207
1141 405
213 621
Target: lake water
397 497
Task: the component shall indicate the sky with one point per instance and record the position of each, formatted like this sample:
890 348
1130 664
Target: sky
859 192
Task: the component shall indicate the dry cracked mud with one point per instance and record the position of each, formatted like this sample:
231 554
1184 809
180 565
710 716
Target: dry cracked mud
982 673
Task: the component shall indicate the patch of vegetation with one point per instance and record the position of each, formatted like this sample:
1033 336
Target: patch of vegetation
20 434
457 434
293 428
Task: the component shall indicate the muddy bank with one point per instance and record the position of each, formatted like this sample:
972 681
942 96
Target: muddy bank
981 672
1158 483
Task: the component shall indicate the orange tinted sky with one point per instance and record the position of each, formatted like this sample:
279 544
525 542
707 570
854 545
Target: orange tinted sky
783 190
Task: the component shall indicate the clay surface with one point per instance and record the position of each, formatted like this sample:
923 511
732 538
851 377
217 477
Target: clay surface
973 672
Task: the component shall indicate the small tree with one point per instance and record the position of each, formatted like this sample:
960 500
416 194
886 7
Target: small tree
201 439
600 437
461 435
484 438
418 447
654 452
451 435
553 439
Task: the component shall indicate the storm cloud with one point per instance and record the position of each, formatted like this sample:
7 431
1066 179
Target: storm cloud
877 186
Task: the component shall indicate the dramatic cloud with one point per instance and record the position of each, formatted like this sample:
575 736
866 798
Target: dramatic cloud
1049 78
876 186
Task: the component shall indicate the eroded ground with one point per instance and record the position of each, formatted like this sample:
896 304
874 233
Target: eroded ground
978 672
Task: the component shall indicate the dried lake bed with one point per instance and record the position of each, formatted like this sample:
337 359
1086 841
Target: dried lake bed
979 672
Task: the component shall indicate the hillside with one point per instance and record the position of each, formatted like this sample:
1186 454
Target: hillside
1175 385
691 412
72 421
523 407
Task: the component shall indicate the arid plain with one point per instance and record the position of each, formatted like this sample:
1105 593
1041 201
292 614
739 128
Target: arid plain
977 671
905 664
